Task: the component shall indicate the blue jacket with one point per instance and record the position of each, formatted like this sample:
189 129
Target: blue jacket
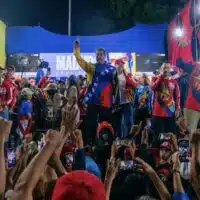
26 108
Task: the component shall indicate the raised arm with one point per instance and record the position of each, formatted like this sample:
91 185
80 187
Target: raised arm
31 175
159 185
177 91
195 160
5 127
115 88
177 183
86 66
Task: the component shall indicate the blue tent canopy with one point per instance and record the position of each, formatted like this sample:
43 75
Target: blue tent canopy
140 39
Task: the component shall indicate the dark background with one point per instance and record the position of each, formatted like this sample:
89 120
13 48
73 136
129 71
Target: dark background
149 62
89 17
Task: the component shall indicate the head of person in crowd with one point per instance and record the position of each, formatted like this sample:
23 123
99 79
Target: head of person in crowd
26 93
156 72
166 70
31 82
141 80
25 82
79 185
10 71
72 81
61 87
22 82
146 79
100 55
129 185
51 89
80 81
119 63
165 151
72 90
105 133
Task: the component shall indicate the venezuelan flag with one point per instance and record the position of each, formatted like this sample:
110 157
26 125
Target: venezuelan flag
2 44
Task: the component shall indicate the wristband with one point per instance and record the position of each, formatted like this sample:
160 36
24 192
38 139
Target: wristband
176 171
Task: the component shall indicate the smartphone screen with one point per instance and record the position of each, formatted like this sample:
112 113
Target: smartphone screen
126 165
11 158
148 123
184 149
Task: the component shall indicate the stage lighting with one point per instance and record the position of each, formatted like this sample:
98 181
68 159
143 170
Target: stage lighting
178 32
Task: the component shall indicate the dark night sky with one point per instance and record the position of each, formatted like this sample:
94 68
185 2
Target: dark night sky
89 17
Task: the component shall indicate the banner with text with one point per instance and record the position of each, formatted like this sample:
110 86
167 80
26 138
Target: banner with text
64 64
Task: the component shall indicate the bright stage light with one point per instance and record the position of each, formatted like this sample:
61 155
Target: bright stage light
178 32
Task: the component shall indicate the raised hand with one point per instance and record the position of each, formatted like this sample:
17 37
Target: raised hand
176 161
76 44
173 142
78 138
132 148
147 168
112 169
145 136
5 127
55 138
70 117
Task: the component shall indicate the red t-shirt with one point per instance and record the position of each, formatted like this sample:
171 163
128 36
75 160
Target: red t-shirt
44 81
11 92
166 97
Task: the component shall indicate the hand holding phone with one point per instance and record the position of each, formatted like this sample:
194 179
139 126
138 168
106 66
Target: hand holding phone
77 43
184 149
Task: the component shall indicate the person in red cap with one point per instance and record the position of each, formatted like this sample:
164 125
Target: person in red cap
126 87
79 185
8 93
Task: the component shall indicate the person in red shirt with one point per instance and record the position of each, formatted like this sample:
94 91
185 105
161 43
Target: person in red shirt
166 103
192 104
44 81
8 93
3 108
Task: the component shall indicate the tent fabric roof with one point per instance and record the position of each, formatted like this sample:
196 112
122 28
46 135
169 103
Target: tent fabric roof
140 39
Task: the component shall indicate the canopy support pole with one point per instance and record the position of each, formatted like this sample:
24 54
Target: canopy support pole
69 17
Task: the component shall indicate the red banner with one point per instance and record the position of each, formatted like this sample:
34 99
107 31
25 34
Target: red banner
180 46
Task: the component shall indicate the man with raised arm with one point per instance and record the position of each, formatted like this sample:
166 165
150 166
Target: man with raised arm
101 92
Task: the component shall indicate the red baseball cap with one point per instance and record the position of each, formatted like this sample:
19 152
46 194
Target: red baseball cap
79 185
119 61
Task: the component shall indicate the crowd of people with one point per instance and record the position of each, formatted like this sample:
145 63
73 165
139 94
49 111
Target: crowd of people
106 135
